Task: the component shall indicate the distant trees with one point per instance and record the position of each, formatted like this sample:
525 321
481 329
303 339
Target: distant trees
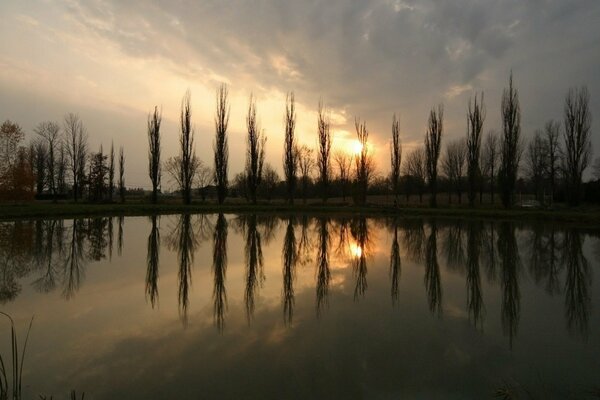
204 176
154 164
306 162
188 162
290 151
122 174
323 160
536 163
453 166
255 153
475 118
511 144
415 171
76 146
221 143
433 142
552 133
97 175
16 174
577 138
111 172
363 163
395 157
343 162
49 133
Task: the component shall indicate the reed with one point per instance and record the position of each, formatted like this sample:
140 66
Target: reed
16 363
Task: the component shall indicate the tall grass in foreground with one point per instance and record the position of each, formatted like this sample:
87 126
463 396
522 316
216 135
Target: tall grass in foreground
17 364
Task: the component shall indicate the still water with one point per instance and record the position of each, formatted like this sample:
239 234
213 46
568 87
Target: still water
257 306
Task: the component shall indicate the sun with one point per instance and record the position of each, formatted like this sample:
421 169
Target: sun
356 147
355 250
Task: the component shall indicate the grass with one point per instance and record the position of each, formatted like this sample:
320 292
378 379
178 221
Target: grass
16 364
581 215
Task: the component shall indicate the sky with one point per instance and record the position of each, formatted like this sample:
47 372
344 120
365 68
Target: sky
113 61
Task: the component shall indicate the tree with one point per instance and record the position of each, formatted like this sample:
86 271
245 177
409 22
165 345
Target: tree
188 161
536 162
510 154
111 172
433 142
306 164
255 154
11 135
324 139
76 146
552 132
97 176
204 177
453 165
122 174
290 155
41 155
415 172
596 168
154 164
221 143
61 169
270 180
395 157
343 163
173 168
16 173
49 132
577 137
490 157
475 118
363 163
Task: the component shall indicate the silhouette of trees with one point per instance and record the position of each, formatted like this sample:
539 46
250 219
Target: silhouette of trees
343 162
395 157
510 154
490 160
76 147
204 177
219 267
453 165
536 161
41 155
433 142
290 151
577 137
154 164
221 143
552 132
415 172
323 160
306 163
122 174
475 118
270 181
188 163
49 133
111 172
97 176
363 163
11 135
255 153
16 170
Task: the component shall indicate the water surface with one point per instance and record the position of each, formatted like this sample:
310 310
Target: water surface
257 306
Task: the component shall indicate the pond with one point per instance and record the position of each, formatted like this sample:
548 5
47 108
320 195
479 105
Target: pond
263 306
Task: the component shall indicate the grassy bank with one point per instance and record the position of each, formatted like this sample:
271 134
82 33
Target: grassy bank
583 215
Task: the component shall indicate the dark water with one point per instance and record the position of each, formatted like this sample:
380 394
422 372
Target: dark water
213 306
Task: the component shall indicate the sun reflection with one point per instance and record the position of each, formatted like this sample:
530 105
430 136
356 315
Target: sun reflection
355 250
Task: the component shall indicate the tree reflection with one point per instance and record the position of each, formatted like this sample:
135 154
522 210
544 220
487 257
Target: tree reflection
474 296
395 265
510 262
413 239
305 244
219 271
577 284
75 261
16 247
432 272
46 257
254 262
152 259
323 273
489 252
289 271
453 247
120 235
360 233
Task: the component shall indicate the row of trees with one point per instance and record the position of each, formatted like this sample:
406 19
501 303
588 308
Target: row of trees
495 162
57 163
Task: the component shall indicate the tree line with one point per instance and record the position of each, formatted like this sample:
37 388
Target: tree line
58 162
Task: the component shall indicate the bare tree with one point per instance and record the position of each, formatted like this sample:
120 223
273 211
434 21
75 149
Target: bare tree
475 118
173 168
111 172
343 163
290 155
536 162
204 177
221 144
41 156
323 161
49 132
552 132
433 142
255 154
363 163
122 174
453 166
270 181
154 164
577 137
395 157
76 146
596 168
61 169
490 156
306 162
188 159
415 172
511 144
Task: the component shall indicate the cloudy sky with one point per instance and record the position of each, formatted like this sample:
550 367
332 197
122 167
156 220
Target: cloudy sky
112 61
